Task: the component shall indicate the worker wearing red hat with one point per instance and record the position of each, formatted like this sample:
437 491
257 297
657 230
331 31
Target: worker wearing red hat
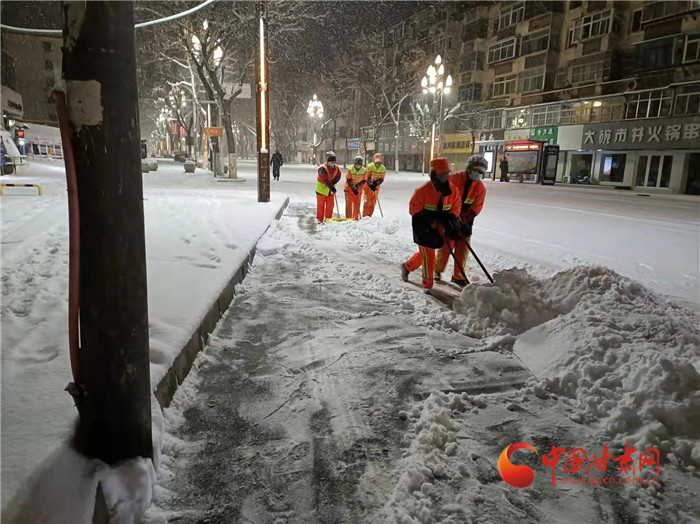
473 193
435 208
376 171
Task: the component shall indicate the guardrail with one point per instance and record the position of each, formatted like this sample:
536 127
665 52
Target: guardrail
2 193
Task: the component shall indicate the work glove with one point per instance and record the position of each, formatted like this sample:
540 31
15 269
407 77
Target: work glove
333 190
354 190
378 182
452 227
469 216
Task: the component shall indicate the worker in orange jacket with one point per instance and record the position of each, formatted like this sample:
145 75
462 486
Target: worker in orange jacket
355 182
376 172
435 208
328 176
473 193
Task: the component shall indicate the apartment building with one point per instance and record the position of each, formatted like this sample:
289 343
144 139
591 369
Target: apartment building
614 84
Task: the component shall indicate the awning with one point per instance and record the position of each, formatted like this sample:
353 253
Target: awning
490 142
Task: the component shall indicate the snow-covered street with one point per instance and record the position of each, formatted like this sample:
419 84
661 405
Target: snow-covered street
333 392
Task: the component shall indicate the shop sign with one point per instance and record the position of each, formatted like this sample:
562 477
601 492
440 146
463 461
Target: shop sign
546 134
676 133
214 131
353 143
456 143
407 145
517 134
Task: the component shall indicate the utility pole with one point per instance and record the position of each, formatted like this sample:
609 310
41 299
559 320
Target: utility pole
114 394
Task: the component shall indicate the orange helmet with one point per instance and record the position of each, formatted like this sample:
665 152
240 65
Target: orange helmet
377 157
440 166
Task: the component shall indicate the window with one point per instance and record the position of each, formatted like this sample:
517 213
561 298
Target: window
531 80
581 168
612 167
502 50
688 100
471 92
517 118
534 43
636 21
654 171
494 119
504 85
48 47
510 15
662 9
691 52
545 116
473 62
588 27
591 72
650 104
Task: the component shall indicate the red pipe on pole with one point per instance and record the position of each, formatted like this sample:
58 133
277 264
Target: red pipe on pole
74 233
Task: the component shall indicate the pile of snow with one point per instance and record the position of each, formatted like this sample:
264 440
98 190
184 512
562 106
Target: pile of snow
429 457
627 358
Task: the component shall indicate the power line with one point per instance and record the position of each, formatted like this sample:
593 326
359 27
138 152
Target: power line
52 32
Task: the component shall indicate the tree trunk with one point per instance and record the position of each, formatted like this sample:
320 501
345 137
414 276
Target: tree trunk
230 139
99 67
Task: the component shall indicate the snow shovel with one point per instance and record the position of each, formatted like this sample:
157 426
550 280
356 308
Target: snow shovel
480 264
380 206
337 219
461 269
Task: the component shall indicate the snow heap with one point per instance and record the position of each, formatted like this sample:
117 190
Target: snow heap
429 457
628 359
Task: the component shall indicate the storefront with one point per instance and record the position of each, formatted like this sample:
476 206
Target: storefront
411 152
457 148
491 146
644 154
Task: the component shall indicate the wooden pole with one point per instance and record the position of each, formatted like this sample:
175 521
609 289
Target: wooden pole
99 68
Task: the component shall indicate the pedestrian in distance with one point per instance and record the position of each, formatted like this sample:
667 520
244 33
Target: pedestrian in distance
503 165
355 182
328 176
376 172
435 208
472 195
276 162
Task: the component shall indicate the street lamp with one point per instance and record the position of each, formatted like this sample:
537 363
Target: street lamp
437 85
315 111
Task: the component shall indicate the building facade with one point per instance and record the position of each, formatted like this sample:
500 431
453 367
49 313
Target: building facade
615 85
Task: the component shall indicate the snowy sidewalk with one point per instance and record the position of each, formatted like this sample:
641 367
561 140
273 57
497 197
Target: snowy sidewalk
333 392
198 232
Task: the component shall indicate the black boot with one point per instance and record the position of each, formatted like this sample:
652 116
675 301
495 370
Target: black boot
404 272
459 281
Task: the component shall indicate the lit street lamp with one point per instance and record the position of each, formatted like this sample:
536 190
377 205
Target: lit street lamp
315 111
263 114
437 85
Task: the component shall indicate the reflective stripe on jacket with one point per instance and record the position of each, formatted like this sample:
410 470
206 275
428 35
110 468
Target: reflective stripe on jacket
475 192
375 172
326 178
355 176
425 208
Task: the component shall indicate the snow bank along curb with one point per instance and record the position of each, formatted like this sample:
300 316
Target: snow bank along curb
183 362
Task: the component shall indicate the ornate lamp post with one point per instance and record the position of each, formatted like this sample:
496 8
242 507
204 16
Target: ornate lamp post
436 84
315 111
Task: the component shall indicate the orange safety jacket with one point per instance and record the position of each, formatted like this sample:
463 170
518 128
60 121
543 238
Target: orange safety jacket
355 178
327 178
428 207
473 194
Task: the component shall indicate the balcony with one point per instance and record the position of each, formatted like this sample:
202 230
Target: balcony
663 9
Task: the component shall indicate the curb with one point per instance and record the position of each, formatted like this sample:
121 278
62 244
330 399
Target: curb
183 362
